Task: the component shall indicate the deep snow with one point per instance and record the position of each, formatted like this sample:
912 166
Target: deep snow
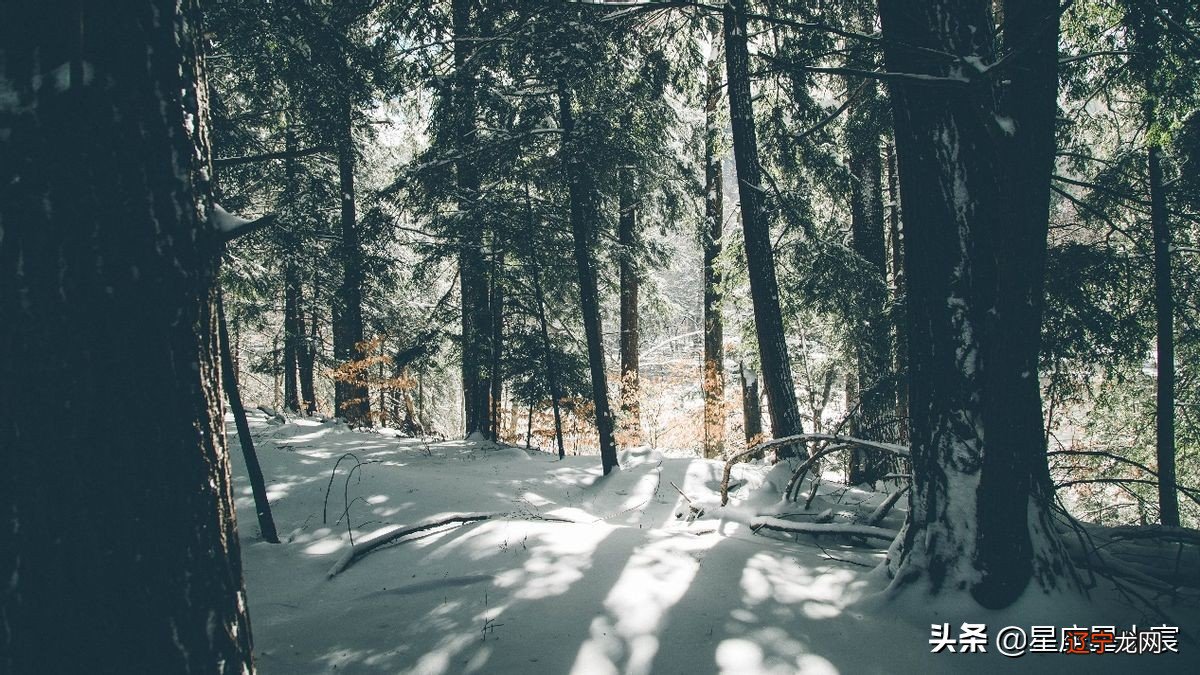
584 574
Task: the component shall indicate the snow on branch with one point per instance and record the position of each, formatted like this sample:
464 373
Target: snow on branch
886 505
847 529
230 227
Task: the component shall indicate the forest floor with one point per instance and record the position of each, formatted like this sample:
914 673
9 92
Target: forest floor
581 574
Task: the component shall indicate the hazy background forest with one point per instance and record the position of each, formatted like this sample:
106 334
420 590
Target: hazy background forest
298 90
634 336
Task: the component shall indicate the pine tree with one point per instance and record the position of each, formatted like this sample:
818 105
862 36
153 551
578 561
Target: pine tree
713 371
760 258
974 182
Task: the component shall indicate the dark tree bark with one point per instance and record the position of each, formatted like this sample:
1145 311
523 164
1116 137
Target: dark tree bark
751 405
713 374
579 187
497 341
293 331
544 327
1164 309
551 369
351 397
760 257
293 335
870 332
896 261
229 382
476 314
630 386
529 426
307 359
975 162
119 549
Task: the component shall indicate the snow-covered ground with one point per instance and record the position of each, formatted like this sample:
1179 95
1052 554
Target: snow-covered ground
581 574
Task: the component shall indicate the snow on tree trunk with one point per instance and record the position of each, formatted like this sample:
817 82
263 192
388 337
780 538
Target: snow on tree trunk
975 150
751 405
898 292
760 257
119 548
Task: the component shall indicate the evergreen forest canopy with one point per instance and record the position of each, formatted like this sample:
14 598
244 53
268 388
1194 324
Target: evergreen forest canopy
955 246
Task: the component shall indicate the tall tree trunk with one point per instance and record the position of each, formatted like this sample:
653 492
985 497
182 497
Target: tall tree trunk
543 325
630 385
896 258
351 397
975 163
529 426
307 360
293 335
582 231
760 257
229 381
713 384
476 315
751 405
551 368
107 273
871 330
1164 308
497 341
293 331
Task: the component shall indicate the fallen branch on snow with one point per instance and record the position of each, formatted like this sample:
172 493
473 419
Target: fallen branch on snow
694 511
780 525
398 532
886 505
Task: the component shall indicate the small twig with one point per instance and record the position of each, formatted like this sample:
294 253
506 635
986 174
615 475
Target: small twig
830 556
346 512
346 498
329 486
